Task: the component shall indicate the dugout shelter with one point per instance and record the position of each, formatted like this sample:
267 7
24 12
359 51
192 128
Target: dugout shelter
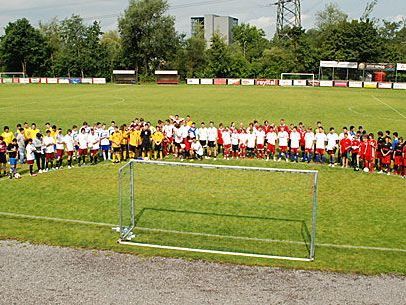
168 77
127 77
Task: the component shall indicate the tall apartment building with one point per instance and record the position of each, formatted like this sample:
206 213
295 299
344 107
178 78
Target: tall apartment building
215 24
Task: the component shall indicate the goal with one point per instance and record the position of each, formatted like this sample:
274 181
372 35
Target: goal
253 212
297 79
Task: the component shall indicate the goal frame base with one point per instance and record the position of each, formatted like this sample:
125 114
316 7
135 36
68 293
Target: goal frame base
207 251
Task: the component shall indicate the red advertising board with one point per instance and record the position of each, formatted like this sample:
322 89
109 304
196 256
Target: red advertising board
220 81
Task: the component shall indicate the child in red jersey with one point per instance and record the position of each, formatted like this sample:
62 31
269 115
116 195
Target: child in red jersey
355 149
404 159
386 150
345 146
220 142
363 151
398 157
371 152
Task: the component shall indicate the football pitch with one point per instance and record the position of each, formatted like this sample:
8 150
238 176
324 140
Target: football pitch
361 221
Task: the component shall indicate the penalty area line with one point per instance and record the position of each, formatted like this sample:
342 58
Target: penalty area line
84 222
389 106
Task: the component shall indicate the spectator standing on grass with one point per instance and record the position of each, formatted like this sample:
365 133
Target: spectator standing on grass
157 139
294 144
202 134
39 153
115 140
332 143
397 157
3 156
49 144
283 139
13 151
60 148
83 143
7 135
69 147
21 145
321 140
309 139
30 154
355 149
212 141
146 142
345 148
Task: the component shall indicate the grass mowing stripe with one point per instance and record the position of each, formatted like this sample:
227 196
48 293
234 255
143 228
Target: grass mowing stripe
201 234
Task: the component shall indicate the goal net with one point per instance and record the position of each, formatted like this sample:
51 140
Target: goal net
297 79
218 209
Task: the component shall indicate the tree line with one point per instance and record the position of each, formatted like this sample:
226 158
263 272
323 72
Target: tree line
146 40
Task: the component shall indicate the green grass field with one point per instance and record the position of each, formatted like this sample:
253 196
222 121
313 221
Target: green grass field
355 209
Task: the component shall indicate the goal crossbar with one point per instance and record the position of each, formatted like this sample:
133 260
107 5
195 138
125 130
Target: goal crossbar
127 235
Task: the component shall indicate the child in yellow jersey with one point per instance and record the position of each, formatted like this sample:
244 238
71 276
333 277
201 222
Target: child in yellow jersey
34 131
54 131
7 135
157 139
124 141
135 142
116 139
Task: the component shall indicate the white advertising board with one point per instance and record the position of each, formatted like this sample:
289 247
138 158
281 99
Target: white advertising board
326 83
355 84
401 67
399 86
7 80
339 64
285 82
248 82
385 85
300 82
193 81
99 81
43 80
35 80
52 80
87 80
233 81
63 81
206 81
24 80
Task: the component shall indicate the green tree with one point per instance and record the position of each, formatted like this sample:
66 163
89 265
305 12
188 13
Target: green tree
111 42
219 59
81 52
330 16
195 54
251 40
148 35
24 48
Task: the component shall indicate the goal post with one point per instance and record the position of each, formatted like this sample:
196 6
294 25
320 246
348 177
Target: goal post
242 211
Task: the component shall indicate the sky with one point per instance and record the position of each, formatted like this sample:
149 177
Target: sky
256 12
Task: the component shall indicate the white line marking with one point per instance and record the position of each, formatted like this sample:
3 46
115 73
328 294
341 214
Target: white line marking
58 219
214 251
389 106
148 229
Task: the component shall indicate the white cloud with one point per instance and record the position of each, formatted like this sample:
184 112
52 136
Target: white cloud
262 22
398 18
